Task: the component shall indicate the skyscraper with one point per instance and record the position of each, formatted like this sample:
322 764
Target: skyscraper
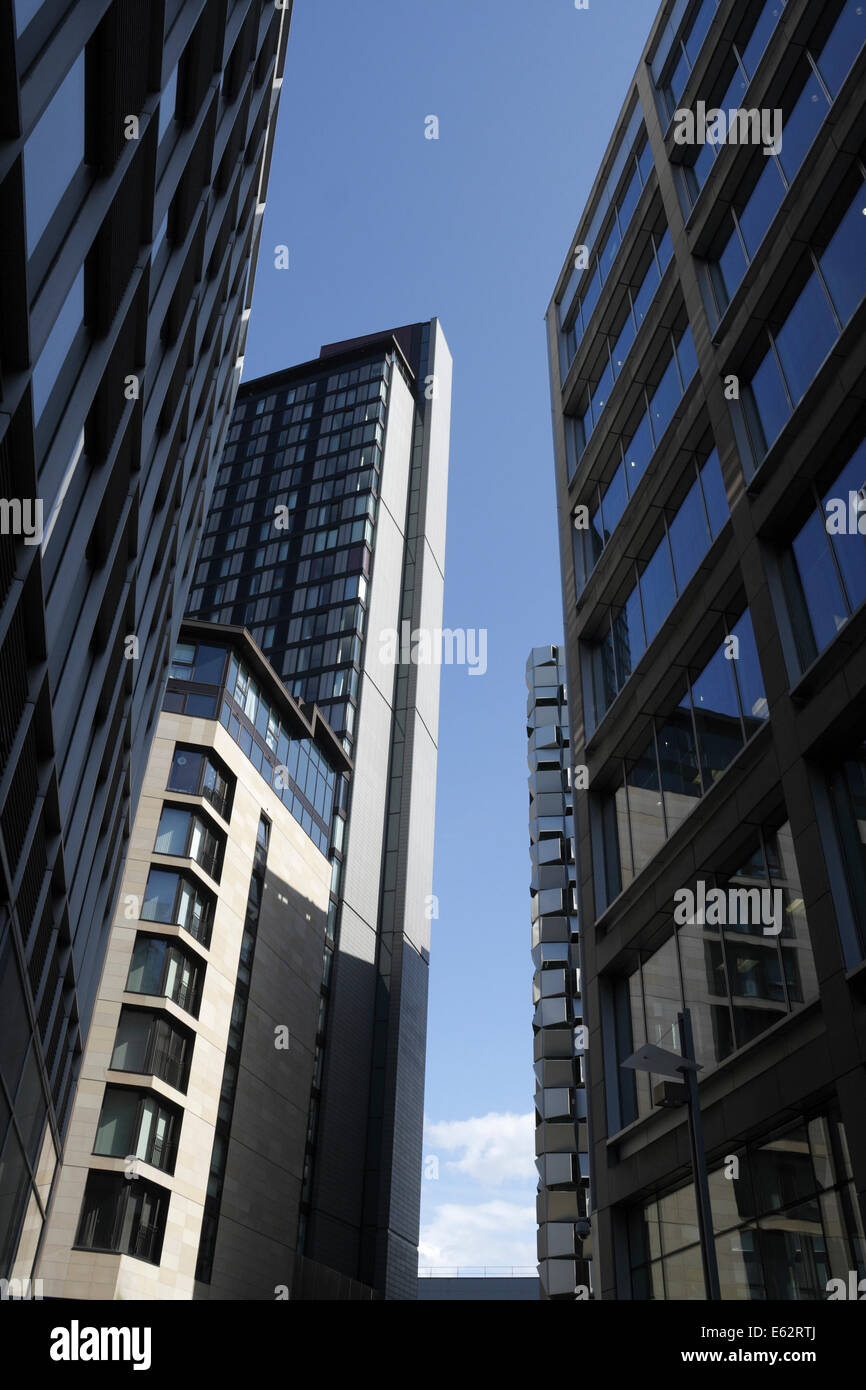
182 1174
561 1139
136 143
707 373
326 539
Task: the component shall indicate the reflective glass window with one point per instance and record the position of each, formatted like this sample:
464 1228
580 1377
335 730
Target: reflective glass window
843 263
689 537
806 337
846 39
638 453
628 634
747 670
657 590
801 125
613 503
819 581
771 407
57 345
850 545
646 815
715 497
54 152
762 206
665 399
717 717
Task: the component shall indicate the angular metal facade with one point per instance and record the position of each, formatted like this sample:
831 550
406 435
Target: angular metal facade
561 1139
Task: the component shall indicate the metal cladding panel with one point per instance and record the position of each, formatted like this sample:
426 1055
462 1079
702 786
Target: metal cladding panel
560 1096
437 445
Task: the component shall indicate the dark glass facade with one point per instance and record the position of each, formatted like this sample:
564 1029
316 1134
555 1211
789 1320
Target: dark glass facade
327 530
136 143
710 477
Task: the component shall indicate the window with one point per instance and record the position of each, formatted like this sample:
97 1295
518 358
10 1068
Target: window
161 966
846 39
785 1226
730 85
629 173
126 1218
806 337
847 785
200 663
25 10
736 980
167 103
173 897
137 1124
690 532
195 772
186 834
808 331
57 346
825 570
153 1044
54 152
723 706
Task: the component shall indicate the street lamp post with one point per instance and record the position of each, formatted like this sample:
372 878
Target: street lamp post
659 1060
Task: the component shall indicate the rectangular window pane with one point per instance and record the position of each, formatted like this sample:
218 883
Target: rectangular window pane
689 536
613 503
715 497
664 400
148 965
171 836
717 717
849 544
846 39
638 453
643 296
54 152
628 201
623 343
818 581
686 356
747 670
762 206
728 270
843 264
657 590
185 771
167 103
645 808
628 635
116 1129
209 664
680 773
806 337
801 126
159 896
767 405
57 345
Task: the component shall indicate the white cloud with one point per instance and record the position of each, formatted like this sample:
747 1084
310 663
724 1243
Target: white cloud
496 1148
497 1233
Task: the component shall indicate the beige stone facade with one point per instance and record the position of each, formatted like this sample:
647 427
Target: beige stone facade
263 1172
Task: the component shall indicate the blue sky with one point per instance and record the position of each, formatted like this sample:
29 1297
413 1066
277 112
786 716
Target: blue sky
385 227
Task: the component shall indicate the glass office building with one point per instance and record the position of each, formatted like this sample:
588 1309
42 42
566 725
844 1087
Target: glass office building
708 377
326 537
135 143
